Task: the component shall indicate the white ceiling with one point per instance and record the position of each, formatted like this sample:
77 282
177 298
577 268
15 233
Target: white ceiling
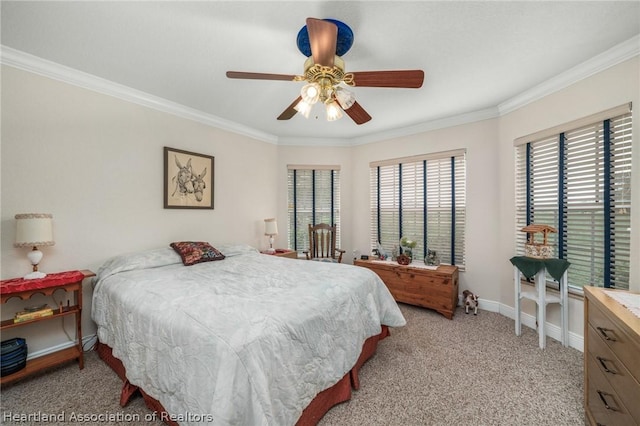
475 55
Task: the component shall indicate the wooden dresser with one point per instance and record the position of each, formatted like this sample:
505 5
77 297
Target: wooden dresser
430 288
611 361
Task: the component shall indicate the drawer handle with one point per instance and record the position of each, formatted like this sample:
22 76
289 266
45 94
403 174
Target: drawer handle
604 365
603 331
603 396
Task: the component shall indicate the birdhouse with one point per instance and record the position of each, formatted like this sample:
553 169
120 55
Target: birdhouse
533 248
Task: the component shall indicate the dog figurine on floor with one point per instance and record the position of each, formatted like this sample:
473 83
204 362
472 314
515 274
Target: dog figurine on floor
470 301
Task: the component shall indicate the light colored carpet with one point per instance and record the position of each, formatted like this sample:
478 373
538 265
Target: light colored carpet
469 370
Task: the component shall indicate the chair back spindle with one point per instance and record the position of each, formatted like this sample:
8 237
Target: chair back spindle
322 243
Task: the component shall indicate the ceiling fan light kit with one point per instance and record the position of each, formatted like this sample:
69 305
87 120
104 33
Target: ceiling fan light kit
345 98
333 110
324 42
310 93
303 108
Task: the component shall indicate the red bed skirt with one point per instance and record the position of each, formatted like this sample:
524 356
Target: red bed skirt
311 415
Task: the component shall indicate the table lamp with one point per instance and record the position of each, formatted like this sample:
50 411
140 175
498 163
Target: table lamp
270 229
34 230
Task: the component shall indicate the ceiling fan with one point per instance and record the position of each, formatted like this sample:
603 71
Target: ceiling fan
324 41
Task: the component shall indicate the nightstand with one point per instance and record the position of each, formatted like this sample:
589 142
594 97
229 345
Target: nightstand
24 289
291 254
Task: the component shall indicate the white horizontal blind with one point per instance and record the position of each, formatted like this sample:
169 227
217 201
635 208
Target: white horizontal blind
300 208
585 204
313 197
413 205
460 176
399 207
544 185
385 209
621 142
373 205
521 198
439 203
578 182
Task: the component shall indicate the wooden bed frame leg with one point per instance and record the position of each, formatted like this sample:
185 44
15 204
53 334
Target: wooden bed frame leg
127 392
155 406
340 392
368 349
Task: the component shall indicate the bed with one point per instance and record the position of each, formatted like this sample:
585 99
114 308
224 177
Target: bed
249 339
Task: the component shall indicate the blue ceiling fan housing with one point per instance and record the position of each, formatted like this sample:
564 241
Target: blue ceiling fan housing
343 44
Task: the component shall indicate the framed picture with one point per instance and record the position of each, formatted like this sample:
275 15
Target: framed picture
188 180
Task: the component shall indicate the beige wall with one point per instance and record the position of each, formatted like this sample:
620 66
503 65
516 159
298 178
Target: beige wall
612 87
490 240
480 141
96 163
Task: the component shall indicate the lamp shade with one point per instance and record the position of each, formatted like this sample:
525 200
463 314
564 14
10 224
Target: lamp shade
310 93
270 227
333 111
34 229
345 98
303 108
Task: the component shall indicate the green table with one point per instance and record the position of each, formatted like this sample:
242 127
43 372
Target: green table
532 267
529 266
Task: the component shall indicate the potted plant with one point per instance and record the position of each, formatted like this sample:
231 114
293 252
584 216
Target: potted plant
407 246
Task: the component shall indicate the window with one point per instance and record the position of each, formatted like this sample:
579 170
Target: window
579 181
422 198
313 197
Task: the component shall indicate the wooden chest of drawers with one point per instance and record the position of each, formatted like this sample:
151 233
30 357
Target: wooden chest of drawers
430 288
611 361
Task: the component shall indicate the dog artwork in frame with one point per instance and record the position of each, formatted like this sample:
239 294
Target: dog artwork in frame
188 180
470 301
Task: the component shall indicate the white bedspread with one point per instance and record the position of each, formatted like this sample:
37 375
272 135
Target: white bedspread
248 340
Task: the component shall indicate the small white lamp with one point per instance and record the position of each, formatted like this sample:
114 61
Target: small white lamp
34 230
270 229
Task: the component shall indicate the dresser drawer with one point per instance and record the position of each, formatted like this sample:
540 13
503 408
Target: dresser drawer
616 338
615 372
603 401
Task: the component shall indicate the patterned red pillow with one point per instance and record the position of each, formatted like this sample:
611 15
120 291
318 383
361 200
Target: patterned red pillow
193 252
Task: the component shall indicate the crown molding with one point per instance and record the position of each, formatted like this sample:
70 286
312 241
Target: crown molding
21 60
306 141
34 64
617 54
441 123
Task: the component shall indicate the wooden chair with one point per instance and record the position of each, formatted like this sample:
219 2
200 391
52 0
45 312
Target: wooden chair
322 244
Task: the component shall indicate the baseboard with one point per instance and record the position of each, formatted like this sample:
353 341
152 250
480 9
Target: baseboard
87 342
576 341
554 331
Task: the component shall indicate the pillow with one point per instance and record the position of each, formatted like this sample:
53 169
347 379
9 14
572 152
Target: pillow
135 261
193 252
237 249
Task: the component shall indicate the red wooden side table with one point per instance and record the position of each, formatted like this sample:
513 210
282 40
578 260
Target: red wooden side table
24 289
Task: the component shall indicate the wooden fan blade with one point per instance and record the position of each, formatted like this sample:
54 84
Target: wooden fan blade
410 79
290 111
323 36
259 76
358 114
